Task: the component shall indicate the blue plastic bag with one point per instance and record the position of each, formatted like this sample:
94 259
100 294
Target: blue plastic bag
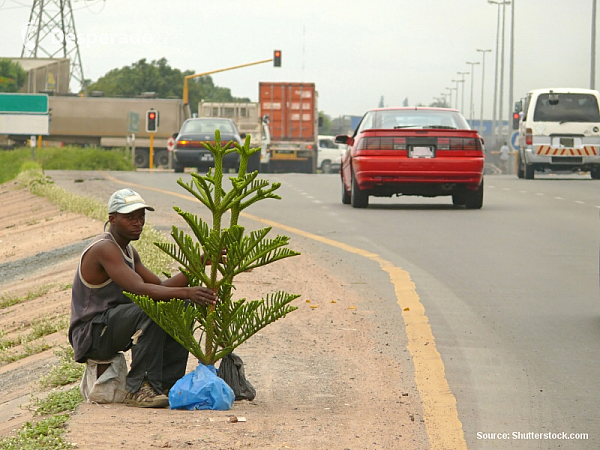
201 389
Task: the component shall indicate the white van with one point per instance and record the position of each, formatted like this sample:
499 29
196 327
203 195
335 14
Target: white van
559 130
329 154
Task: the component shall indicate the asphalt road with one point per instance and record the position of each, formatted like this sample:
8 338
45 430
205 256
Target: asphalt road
511 290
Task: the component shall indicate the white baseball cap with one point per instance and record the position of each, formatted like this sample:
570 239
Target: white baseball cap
125 201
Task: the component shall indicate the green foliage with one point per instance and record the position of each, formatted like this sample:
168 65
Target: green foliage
12 162
82 158
231 322
9 300
12 76
67 371
42 435
56 402
165 81
326 123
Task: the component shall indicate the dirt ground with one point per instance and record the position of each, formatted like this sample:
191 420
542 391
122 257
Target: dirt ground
335 374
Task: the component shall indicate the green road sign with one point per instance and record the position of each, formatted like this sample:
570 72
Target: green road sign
133 122
23 103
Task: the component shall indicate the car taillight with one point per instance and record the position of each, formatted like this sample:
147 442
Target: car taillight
472 144
383 143
528 136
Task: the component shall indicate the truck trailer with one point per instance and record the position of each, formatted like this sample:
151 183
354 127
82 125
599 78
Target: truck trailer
108 122
290 110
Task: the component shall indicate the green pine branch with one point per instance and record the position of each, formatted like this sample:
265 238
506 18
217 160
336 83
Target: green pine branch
231 322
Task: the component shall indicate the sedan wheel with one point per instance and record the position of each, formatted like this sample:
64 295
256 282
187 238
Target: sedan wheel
474 199
358 198
345 195
520 169
458 199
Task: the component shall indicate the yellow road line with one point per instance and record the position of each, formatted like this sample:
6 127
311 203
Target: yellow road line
444 428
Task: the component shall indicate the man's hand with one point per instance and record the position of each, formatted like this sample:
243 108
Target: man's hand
202 296
222 258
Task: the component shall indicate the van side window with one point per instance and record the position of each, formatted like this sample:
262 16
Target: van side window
554 107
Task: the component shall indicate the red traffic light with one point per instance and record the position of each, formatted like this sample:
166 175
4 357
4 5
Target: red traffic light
151 121
277 58
516 115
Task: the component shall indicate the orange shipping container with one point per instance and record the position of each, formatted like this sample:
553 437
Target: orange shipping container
291 108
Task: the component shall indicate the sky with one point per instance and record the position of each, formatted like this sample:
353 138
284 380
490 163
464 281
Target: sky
356 52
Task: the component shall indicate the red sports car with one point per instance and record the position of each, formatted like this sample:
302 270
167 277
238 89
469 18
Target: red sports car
413 151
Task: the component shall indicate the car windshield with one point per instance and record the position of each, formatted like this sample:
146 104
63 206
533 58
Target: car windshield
207 126
412 118
554 107
327 143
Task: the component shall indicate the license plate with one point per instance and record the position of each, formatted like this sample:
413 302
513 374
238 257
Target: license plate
421 152
567 142
206 157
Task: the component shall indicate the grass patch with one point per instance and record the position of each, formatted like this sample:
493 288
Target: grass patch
67 371
56 402
43 435
29 348
9 300
38 329
62 158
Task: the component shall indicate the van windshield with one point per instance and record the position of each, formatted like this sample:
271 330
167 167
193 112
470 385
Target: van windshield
554 107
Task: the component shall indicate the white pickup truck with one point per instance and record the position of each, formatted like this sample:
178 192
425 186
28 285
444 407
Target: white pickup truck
329 154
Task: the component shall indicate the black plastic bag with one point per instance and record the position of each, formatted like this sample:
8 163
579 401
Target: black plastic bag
231 370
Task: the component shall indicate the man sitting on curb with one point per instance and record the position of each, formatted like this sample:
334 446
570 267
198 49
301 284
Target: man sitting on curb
104 320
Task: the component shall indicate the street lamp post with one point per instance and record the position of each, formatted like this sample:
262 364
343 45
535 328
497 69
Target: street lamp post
449 89
483 52
500 95
462 80
472 64
511 69
593 59
494 118
456 96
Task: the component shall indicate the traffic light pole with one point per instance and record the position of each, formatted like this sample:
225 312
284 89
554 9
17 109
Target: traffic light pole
189 77
151 162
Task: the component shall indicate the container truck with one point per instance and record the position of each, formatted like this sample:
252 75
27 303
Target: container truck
290 110
248 120
104 122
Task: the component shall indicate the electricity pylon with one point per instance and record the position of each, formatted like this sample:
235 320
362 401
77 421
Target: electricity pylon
51 24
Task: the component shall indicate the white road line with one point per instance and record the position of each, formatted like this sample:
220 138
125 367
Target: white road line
539 193
580 202
559 198
523 192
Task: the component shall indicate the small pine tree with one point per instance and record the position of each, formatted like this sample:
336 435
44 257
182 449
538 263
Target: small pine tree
230 322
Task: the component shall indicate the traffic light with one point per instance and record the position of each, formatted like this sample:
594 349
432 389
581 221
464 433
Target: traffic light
277 58
515 120
151 121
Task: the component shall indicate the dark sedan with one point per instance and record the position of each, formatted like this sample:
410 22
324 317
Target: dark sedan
189 151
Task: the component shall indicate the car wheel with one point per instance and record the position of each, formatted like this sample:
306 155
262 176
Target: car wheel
178 168
595 173
520 170
529 172
162 159
345 195
474 199
358 198
254 162
458 199
142 159
326 166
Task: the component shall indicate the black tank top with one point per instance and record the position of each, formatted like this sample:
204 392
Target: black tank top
88 300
